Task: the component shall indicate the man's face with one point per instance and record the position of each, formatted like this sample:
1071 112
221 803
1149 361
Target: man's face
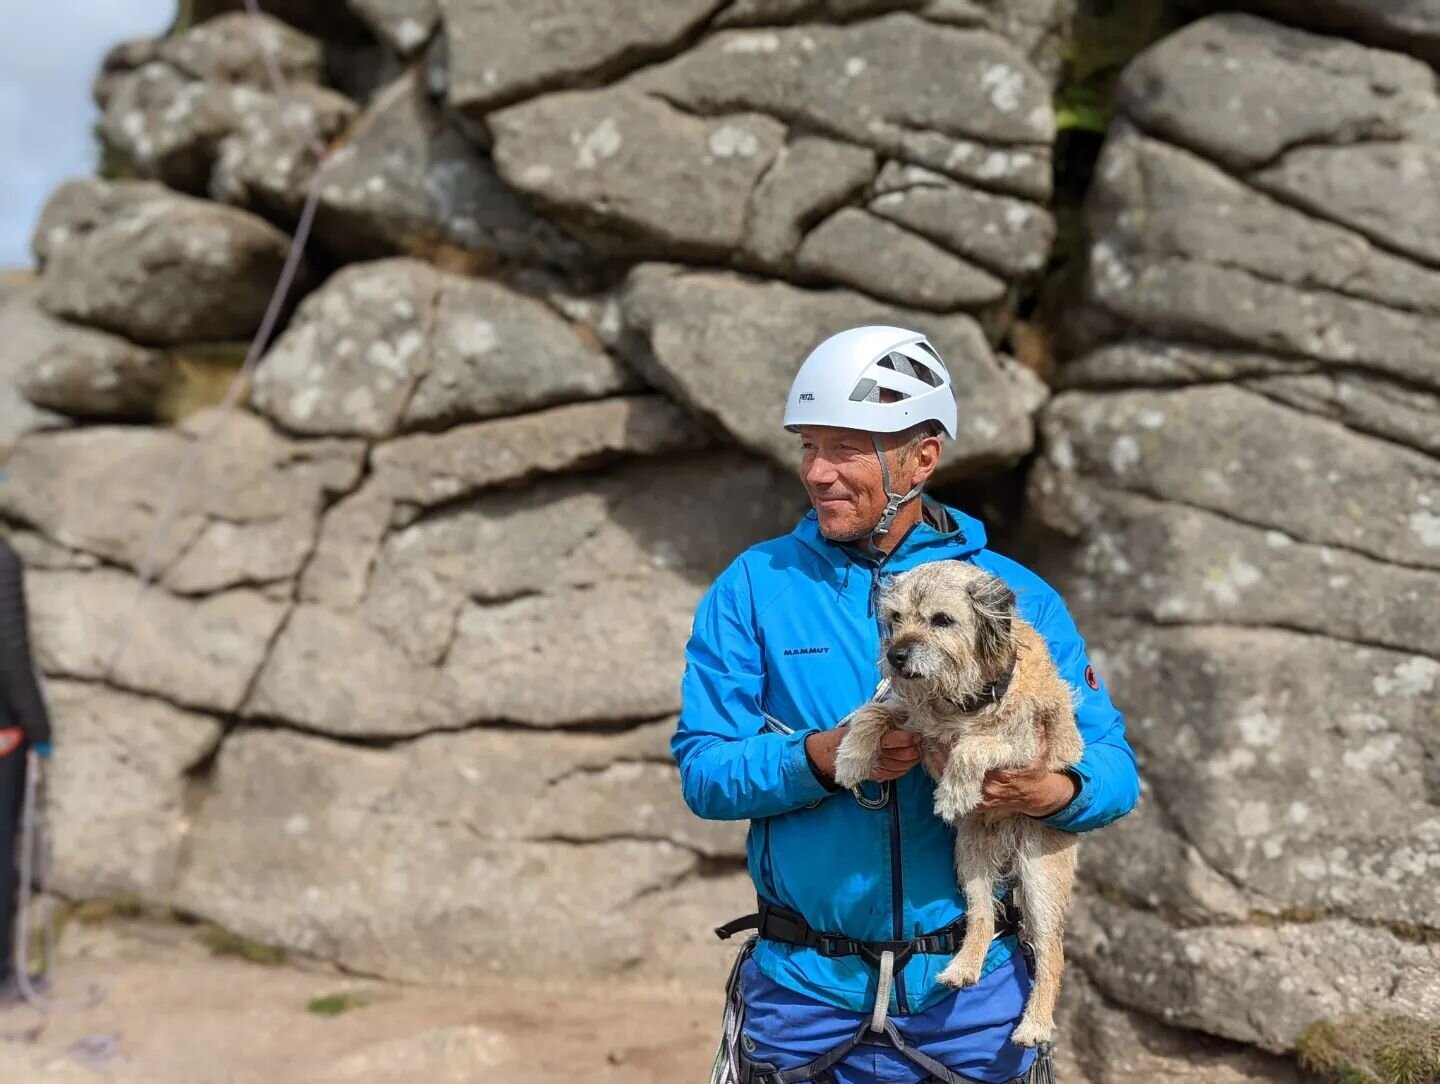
842 476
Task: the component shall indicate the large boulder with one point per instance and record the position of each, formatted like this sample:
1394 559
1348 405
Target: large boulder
466 612
428 469
198 111
397 344
810 176
1409 26
1101 1043
201 654
236 48
491 824
963 102
117 796
247 514
717 155
77 371
1008 236
727 346
887 261
1243 468
18 415
136 259
408 180
646 174
499 52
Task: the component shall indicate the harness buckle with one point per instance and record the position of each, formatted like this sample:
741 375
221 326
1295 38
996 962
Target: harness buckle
932 944
874 952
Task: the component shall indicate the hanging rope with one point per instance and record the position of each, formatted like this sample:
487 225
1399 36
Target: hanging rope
196 451
32 835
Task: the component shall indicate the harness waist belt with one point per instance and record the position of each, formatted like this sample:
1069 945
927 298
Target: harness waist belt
775 923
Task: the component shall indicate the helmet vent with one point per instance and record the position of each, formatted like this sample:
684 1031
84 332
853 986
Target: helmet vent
863 390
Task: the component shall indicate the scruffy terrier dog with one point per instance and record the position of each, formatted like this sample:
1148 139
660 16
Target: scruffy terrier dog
977 683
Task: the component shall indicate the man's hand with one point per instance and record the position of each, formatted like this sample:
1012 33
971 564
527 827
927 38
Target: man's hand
1032 789
899 752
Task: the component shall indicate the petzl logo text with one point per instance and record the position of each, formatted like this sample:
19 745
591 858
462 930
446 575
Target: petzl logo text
806 397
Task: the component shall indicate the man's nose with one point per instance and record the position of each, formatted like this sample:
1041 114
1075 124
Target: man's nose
898 655
819 472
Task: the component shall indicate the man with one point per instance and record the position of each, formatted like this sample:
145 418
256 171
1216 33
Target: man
785 645
24 726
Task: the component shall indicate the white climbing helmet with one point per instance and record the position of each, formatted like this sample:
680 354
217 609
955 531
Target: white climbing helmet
840 383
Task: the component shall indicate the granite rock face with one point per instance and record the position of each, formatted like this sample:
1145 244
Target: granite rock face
1244 469
400 692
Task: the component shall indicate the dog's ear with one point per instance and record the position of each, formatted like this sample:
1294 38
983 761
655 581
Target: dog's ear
994 622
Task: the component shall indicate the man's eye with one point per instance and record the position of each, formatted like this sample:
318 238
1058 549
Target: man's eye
941 620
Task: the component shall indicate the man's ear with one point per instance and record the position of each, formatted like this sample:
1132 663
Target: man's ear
994 622
926 458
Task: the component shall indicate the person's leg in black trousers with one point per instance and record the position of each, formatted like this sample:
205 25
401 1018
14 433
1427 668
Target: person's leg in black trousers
12 791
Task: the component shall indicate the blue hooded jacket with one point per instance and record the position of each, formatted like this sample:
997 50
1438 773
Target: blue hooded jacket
787 641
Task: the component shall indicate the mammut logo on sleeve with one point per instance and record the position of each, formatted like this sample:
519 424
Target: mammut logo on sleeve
805 651
1090 678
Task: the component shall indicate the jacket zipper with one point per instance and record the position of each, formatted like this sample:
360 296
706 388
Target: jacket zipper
897 894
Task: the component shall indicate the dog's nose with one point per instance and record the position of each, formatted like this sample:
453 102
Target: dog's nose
898 656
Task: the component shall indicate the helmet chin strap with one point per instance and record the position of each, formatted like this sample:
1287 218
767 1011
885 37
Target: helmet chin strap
893 500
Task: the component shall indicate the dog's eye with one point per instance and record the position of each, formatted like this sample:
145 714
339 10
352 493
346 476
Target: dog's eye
941 620
892 617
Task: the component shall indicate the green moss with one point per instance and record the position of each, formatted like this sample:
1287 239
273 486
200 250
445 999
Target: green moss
184 17
200 375
1364 1049
94 912
1106 36
110 164
223 942
335 1004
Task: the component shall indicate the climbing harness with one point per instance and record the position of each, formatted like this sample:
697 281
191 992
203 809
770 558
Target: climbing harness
774 923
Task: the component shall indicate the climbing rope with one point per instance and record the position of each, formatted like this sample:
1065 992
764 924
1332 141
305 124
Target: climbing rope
33 839
278 297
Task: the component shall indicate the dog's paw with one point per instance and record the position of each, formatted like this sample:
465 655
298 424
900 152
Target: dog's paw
960 973
953 803
1031 1032
851 767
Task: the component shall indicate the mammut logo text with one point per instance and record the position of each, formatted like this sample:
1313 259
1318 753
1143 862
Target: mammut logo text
805 651
806 397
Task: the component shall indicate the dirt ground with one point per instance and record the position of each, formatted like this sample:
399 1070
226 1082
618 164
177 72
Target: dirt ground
176 1013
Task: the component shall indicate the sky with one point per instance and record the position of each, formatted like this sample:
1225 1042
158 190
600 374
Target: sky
49 54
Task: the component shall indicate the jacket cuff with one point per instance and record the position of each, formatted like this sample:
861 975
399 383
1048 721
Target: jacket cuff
825 781
1073 812
802 777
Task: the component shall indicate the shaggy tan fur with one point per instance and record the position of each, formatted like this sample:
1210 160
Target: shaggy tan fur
953 629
